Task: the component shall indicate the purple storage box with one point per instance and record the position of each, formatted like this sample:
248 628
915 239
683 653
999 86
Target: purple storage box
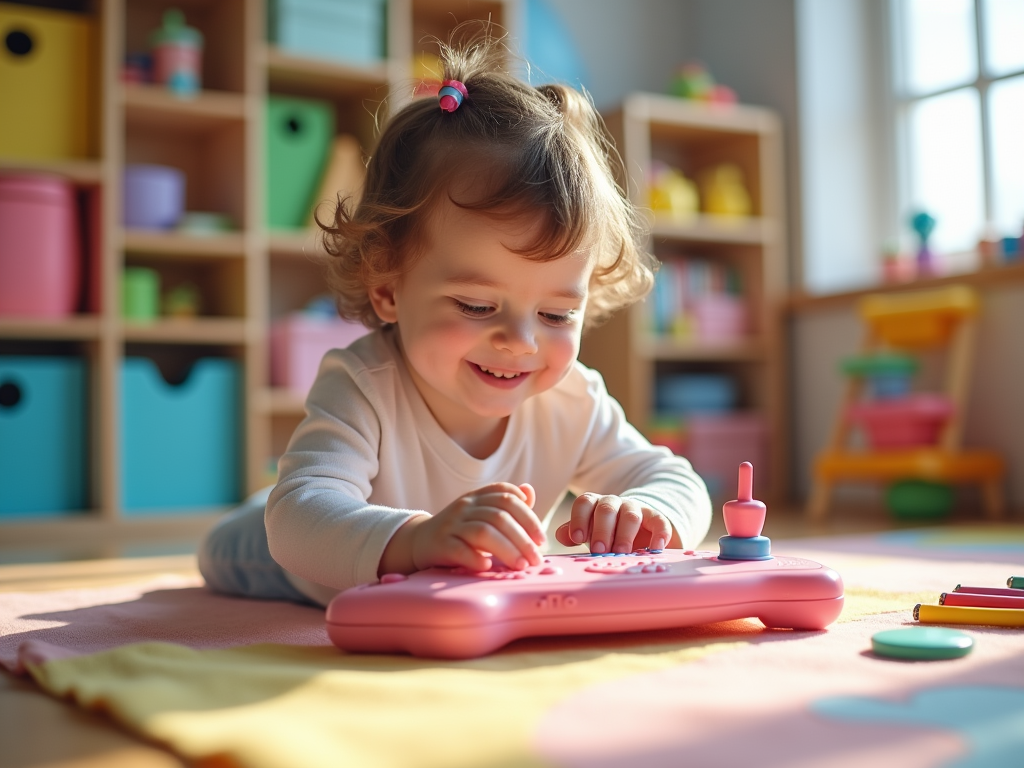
154 196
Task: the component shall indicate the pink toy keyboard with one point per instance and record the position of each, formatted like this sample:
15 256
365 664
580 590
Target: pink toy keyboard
453 613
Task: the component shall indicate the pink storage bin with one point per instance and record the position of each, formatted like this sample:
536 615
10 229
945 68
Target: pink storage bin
299 341
718 444
40 258
720 317
907 422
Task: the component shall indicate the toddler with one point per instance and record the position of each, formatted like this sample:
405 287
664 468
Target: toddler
490 234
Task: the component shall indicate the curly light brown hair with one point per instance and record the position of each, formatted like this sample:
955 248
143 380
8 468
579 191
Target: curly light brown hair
542 153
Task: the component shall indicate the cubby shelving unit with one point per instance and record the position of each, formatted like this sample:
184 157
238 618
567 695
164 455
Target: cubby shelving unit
693 137
247 277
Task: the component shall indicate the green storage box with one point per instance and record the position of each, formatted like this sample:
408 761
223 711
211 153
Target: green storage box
299 134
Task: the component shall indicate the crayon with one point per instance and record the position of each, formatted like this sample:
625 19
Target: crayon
990 591
981 601
1016 582
955 614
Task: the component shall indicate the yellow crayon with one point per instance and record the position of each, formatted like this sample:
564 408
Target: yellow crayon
957 614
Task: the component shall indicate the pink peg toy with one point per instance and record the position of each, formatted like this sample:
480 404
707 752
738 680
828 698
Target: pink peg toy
744 519
744 515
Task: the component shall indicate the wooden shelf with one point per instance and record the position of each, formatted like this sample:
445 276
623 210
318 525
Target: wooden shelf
715 229
78 328
155 243
657 348
79 171
299 74
155 107
202 330
278 401
294 244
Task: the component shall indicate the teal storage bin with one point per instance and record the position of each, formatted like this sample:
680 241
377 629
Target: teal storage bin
352 31
298 135
43 466
180 442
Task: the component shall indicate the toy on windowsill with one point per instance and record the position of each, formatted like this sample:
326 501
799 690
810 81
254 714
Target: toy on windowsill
671 193
923 225
693 81
897 267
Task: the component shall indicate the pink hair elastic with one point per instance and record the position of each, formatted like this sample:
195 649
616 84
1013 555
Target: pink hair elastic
451 95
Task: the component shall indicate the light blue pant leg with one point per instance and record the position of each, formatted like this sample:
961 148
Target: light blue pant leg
234 558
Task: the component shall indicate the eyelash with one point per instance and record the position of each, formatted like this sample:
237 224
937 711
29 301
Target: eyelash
474 310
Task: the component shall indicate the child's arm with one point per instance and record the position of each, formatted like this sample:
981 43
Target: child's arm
496 520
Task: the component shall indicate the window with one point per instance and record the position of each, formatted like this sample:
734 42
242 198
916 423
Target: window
958 68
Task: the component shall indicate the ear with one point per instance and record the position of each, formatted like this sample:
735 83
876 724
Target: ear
382 297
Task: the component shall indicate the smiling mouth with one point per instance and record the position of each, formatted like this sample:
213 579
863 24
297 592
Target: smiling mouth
498 374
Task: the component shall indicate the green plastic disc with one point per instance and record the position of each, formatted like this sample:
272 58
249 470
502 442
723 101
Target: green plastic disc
922 643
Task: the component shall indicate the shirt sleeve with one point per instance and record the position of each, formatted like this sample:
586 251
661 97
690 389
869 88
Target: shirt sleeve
618 460
320 526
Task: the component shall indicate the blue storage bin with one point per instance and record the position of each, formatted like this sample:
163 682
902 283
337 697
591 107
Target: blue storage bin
689 393
346 30
180 442
43 465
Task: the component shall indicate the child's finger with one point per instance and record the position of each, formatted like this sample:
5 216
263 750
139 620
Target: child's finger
580 517
531 494
602 527
659 527
627 524
495 532
520 512
563 535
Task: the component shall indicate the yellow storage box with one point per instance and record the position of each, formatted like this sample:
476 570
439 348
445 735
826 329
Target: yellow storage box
48 86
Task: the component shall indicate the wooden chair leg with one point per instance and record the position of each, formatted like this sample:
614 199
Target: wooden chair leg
994 499
817 504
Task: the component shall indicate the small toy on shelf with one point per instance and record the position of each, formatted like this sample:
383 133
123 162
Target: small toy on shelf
896 266
671 193
178 55
924 224
693 81
725 193
182 301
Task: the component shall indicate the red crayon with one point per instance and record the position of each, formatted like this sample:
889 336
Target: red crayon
990 591
980 601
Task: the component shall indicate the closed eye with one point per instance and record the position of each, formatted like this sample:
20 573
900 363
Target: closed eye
557 319
473 310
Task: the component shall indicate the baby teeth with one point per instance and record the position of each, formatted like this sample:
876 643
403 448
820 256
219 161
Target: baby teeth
496 373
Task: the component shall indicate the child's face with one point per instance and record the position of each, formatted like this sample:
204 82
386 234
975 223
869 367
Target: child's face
481 327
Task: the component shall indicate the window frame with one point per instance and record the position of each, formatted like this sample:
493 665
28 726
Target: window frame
901 102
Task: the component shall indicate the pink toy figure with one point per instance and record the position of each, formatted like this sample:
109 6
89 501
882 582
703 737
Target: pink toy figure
744 515
744 519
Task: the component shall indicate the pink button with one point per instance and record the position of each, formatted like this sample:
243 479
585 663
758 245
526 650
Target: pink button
391 578
650 568
635 569
551 571
661 568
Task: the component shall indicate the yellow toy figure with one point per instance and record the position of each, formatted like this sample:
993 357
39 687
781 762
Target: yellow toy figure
672 193
724 192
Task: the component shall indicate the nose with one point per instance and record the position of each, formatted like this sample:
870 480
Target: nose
516 335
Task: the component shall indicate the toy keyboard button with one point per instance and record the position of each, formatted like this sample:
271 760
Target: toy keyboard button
651 568
550 571
391 578
635 569
661 568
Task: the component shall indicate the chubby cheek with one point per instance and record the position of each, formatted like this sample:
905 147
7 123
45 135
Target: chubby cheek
440 341
562 349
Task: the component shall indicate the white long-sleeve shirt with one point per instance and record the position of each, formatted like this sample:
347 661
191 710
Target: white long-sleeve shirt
369 455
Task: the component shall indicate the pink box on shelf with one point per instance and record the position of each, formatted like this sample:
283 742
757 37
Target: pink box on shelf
299 341
720 317
718 444
907 422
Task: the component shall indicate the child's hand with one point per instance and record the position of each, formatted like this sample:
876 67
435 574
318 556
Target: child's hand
613 524
496 520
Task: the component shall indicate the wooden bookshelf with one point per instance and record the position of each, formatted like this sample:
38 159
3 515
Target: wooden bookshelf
247 277
694 136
